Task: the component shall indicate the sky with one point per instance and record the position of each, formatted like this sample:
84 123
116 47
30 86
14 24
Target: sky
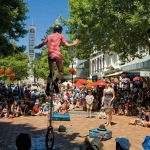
43 13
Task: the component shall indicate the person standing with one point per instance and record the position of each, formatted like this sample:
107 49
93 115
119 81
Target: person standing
107 101
89 103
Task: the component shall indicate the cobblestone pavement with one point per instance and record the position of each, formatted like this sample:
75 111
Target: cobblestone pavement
36 126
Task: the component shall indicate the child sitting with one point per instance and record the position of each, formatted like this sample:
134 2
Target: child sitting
120 110
126 111
5 111
102 114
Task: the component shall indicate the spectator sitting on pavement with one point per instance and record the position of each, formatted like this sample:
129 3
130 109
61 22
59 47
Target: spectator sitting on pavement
23 141
122 144
1 109
126 110
120 110
15 109
36 111
139 110
5 111
46 109
102 114
64 107
27 107
57 105
145 121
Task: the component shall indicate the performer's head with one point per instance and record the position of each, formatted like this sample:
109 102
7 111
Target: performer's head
57 28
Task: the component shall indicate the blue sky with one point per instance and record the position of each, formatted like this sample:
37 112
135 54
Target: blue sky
43 14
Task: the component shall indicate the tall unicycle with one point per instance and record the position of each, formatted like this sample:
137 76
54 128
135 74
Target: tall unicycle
49 140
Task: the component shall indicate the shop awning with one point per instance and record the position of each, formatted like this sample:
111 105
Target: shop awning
114 74
137 64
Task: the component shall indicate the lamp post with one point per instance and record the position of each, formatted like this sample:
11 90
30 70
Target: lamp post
4 63
72 73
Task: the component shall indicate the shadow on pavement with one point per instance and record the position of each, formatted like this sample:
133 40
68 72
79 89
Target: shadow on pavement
9 132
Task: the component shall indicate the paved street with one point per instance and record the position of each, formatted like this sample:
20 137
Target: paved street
36 126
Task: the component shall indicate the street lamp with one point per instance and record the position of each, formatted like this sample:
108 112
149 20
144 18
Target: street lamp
72 73
4 63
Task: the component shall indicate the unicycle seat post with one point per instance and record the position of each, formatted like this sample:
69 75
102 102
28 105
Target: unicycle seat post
49 141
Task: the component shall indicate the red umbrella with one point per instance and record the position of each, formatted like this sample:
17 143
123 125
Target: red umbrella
82 81
99 82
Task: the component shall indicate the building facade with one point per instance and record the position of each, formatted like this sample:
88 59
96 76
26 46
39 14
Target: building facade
31 42
104 65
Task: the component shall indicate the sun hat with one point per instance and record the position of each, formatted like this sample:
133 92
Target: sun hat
102 127
123 142
96 144
62 128
146 143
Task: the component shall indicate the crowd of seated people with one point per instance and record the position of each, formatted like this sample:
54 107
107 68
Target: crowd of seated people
24 100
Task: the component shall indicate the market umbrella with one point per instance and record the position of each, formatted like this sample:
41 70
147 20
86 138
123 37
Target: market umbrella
99 83
82 81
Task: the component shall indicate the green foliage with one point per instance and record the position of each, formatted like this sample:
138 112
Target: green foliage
42 69
12 25
18 63
112 25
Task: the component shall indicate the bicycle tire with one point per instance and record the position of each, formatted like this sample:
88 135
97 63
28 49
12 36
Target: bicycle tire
49 141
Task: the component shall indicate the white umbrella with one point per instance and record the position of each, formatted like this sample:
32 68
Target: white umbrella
67 83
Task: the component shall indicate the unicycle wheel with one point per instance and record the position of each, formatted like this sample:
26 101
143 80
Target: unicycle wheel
49 141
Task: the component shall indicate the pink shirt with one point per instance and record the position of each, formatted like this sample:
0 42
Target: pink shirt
54 41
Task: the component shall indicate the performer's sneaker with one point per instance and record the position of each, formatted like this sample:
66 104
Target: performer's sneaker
56 87
47 91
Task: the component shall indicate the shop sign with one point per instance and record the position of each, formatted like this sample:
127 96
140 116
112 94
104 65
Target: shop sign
145 73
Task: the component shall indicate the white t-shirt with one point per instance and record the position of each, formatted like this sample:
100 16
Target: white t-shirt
89 99
57 105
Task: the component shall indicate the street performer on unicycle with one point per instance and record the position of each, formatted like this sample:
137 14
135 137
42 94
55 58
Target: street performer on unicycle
54 42
54 55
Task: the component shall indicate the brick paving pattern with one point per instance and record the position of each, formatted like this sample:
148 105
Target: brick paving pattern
36 126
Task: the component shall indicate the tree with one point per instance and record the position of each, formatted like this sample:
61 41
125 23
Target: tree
112 25
12 26
18 63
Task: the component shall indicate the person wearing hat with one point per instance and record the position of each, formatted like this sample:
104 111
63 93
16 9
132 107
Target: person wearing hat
107 101
89 103
122 143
